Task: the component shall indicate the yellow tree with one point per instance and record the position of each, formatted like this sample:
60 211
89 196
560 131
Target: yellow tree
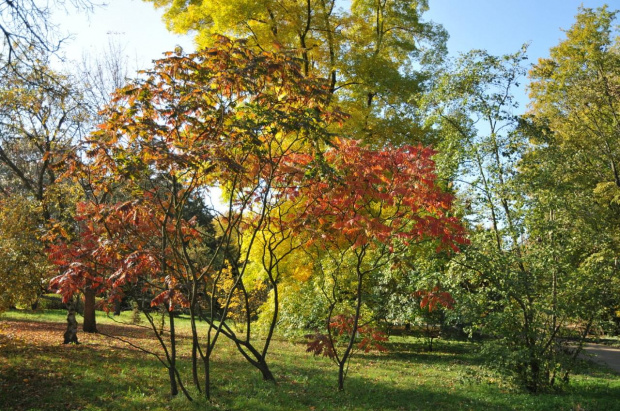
40 120
373 54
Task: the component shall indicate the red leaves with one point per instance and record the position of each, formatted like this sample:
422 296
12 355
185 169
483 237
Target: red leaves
342 326
371 339
116 245
375 196
435 297
320 344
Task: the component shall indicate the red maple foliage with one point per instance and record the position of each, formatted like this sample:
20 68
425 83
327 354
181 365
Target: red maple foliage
117 245
366 195
435 297
370 338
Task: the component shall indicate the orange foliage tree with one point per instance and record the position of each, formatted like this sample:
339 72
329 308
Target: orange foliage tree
251 125
225 118
359 211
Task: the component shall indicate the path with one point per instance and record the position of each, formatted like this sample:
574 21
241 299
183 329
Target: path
602 354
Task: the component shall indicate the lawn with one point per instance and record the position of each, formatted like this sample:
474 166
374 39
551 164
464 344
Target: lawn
37 372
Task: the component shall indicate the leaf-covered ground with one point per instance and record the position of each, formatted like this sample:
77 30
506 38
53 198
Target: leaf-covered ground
38 372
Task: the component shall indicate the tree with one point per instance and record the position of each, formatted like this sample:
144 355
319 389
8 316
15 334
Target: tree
24 269
526 272
102 74
573 128
576 108
367 53
512 281
29 39
367 207
40 120
26 26
227 117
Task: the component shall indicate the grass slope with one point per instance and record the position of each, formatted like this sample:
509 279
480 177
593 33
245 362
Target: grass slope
37 372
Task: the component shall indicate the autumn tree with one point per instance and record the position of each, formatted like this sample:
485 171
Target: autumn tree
40 120
29 39
24 269
225 118
365 208
573 128
575 107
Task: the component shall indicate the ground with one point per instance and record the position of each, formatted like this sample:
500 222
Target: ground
38 372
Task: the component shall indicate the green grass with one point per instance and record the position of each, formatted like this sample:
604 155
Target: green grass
104 374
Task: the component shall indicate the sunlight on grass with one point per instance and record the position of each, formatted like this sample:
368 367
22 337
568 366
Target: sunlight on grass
38 372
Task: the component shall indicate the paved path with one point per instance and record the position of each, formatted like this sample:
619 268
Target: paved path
604 354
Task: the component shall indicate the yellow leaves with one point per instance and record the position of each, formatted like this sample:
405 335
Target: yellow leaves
303 273
607 192
232 294
23 265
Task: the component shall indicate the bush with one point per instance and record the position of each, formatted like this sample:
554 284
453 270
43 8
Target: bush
51 302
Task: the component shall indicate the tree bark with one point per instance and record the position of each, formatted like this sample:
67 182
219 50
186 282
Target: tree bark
90 323
173 357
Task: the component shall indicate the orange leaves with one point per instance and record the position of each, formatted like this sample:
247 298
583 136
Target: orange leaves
376 196
170 298
342 326
435 297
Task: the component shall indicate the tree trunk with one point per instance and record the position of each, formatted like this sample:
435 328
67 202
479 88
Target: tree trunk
195 361
117 307
358 309
265 371
207 370
173 357
173 381
341 366
90 323
256 359
72 327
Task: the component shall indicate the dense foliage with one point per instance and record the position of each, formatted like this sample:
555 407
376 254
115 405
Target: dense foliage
320 172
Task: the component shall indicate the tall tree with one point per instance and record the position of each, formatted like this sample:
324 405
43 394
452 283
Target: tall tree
40 121
575 136
519 284
576 97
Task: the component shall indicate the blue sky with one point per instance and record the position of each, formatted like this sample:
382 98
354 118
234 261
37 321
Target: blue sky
502 26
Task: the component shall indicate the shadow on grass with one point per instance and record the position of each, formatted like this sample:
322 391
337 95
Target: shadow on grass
72 377
95 376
